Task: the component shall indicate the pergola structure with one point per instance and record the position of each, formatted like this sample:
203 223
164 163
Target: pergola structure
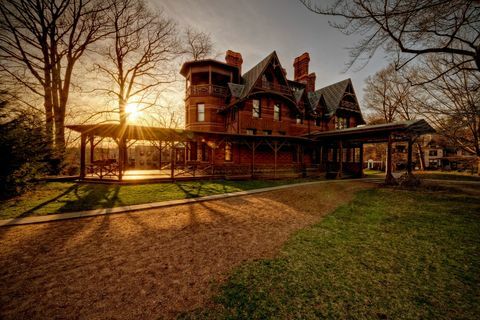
402 131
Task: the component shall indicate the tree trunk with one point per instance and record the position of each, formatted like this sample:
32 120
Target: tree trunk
421 156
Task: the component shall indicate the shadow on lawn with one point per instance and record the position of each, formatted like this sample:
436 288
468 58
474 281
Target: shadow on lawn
80 197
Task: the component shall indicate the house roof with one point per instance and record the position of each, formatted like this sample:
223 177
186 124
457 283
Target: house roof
184 69
251 76
333 95
378 132
135 132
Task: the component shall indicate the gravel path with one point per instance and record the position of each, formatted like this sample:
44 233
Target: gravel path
150 264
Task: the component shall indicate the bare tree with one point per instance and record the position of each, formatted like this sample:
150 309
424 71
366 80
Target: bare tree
197 45
40 43
388 95
410 28
138 53
452 104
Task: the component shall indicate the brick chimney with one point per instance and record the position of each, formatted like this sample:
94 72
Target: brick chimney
233 58
300 67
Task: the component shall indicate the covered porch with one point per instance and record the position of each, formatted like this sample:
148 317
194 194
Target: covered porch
178 154
343 149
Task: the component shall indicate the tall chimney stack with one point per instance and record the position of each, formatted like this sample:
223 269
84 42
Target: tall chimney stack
233 58
300 67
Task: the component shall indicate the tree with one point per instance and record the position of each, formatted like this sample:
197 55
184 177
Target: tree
23 147
197 45
451 103
137 56
40 43
389 95
410 28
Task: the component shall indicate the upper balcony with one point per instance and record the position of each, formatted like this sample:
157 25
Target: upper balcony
207 90
208 81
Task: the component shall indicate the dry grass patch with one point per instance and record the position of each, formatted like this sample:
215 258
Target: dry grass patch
154 263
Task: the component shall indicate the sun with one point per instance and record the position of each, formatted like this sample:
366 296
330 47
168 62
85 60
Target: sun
132 111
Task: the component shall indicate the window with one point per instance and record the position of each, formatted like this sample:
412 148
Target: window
299 119
432 153
256 110
276 112
267 132
341 123
200 112
251 131
228 151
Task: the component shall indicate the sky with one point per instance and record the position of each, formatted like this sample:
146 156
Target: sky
255 28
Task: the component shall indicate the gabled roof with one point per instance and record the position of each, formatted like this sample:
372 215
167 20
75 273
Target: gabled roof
333 95
378 132
251 76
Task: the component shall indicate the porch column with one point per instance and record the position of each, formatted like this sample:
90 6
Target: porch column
409 157
254 146
389 179
160 155
213 159
361 160
275 162
92 147
83 143
340 159
172 162
121 157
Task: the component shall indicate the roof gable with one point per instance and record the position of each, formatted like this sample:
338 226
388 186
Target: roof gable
335 93
253 75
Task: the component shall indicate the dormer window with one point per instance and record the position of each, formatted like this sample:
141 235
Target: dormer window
256 109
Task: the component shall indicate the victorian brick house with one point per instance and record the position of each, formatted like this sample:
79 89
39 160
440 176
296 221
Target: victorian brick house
256 124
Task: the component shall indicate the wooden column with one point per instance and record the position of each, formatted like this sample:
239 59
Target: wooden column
389 179
340 160
92 148
83 143
213 160
121 157
275 162
160 155
254 146
361 160
409 157
172 162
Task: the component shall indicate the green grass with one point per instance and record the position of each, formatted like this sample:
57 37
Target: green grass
59 197
450 175
389 254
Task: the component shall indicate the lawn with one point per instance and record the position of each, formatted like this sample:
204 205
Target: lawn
448 175
388 254
59 197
